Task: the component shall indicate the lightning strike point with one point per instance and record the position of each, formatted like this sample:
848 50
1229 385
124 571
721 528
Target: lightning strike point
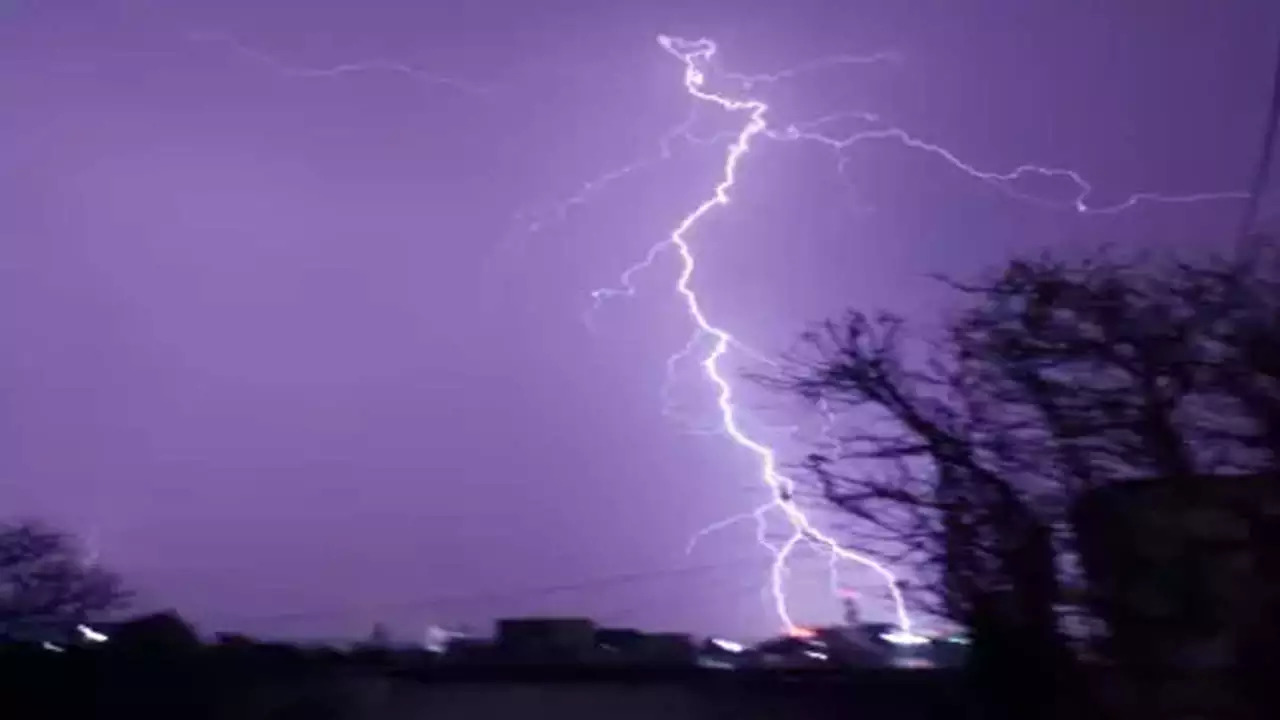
693 55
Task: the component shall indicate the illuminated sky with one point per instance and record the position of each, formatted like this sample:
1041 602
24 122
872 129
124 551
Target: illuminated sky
282 342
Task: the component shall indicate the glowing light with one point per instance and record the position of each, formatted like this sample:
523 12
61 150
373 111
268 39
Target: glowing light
436 639
51 647
802 633
816 655
728 645
91 635
905 639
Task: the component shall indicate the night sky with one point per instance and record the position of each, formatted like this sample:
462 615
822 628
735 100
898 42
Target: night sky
295 304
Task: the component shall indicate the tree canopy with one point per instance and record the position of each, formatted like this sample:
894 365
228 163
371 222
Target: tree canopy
45 581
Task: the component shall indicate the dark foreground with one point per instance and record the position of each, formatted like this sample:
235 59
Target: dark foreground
284 683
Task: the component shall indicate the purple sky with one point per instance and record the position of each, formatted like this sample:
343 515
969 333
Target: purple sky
283 344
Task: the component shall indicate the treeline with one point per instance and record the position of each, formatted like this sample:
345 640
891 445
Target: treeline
1143 390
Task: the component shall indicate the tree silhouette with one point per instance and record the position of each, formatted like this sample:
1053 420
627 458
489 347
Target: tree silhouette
45 582
970 452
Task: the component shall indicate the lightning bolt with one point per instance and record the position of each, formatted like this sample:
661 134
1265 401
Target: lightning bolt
535 220
1004 181
750 81
693 54
377 65
759 515
696 56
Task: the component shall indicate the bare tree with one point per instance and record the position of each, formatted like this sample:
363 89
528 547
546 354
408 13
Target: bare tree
1052 380
1242 350
45 581
929 464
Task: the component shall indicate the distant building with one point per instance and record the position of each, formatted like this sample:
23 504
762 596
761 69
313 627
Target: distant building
461 650
868 645
722 654
667 649
1185 572
618 641
566 641
628 646
547 640
861 645
792 652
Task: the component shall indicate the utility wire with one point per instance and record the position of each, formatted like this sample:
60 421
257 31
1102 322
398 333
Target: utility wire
598 582
1262 175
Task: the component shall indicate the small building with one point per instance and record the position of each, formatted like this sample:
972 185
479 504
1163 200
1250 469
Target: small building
618 642
462 650
547 640
1183 571
792 652
633 647
673 649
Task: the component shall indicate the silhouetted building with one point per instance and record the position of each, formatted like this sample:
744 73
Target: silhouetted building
1185 572
547 640
666 649
157 633
722 654
621 642
791 652
628 646
470 651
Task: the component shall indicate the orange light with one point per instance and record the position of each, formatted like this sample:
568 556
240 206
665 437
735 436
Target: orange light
802 633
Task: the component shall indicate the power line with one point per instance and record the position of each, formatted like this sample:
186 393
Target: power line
1262 175
629 612
431 601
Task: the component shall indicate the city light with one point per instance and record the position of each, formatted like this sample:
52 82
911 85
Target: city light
91 635
728 645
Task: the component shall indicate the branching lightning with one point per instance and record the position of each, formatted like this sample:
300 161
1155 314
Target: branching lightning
377 65
693 55
696 57
709 338
750 81
1005 181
